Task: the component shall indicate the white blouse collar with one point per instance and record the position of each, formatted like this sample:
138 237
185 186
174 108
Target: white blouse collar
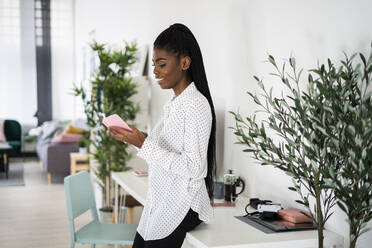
189 88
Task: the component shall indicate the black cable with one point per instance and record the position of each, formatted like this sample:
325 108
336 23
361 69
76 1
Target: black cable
248 213
253 202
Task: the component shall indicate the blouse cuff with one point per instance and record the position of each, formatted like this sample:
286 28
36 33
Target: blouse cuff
145 151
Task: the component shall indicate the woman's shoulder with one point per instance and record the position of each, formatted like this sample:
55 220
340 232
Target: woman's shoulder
197 102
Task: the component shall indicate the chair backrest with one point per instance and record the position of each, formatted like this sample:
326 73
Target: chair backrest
12 130
79 196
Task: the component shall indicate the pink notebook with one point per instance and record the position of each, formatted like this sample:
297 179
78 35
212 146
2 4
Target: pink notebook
115 121
295 215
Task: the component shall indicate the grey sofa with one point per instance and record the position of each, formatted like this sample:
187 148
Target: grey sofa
55 157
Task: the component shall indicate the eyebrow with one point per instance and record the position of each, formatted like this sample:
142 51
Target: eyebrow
158 59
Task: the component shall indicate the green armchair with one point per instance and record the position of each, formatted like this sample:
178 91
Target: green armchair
13 134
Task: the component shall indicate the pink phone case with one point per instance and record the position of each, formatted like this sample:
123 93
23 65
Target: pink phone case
115 121
140 173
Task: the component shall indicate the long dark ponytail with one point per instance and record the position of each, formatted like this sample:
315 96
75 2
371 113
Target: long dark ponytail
179 40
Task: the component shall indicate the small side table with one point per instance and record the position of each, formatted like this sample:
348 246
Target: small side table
79 162
4 162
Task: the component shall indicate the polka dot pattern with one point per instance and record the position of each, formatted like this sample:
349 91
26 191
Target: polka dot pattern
176 154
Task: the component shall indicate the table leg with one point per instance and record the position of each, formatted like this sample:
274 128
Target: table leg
131 215
116 207
6 165
73 166
116 201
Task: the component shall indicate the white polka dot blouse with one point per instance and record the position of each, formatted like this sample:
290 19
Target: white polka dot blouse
176 154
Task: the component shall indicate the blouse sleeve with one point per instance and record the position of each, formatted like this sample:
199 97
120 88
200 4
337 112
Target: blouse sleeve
192 161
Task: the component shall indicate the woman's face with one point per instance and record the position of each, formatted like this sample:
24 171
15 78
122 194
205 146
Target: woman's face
169 70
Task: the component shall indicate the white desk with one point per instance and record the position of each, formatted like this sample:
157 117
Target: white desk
227 231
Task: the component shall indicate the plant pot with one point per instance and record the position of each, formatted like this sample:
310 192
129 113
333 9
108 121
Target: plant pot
83 150
105 215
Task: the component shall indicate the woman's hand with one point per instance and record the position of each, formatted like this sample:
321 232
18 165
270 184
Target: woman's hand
135 138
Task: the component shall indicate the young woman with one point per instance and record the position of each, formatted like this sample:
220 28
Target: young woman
180 150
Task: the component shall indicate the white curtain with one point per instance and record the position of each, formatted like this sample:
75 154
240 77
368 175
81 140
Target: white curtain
17 61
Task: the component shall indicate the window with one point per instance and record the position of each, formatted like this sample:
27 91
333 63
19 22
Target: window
17 61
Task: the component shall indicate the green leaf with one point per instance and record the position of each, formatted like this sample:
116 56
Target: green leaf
328 109
363 59
249 150
292 188
292 62
336 142
322 130
342 206
263 133
364 153
351 129
272 60
312 137
332 172
300 202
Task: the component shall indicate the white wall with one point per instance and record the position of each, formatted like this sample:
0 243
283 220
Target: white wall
235 37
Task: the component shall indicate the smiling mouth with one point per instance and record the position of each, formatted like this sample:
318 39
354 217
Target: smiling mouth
159 80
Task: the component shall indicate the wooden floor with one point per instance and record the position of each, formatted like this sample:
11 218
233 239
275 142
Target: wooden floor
34 216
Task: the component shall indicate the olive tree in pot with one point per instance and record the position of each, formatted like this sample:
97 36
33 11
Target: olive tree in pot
111 92
347 101
325 135
298 148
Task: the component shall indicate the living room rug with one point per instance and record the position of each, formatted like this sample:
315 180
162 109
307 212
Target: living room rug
15 176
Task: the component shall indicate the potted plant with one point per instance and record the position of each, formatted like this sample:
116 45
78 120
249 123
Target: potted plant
318 145
84 143
111 92
347 107
298 148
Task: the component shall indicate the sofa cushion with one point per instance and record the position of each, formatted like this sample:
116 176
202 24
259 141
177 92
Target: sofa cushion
67 137
50 128
2 135
80 123
74 130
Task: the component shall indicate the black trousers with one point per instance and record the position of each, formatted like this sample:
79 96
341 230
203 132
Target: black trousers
175 239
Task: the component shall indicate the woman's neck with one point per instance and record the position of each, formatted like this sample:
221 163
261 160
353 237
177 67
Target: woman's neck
181 86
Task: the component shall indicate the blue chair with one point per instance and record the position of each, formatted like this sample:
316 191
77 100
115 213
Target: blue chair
79 199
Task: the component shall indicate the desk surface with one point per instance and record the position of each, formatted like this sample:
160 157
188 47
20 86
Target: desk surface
227 231
133 185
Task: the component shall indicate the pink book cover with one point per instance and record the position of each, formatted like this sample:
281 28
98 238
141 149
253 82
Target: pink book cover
115 121
295 215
